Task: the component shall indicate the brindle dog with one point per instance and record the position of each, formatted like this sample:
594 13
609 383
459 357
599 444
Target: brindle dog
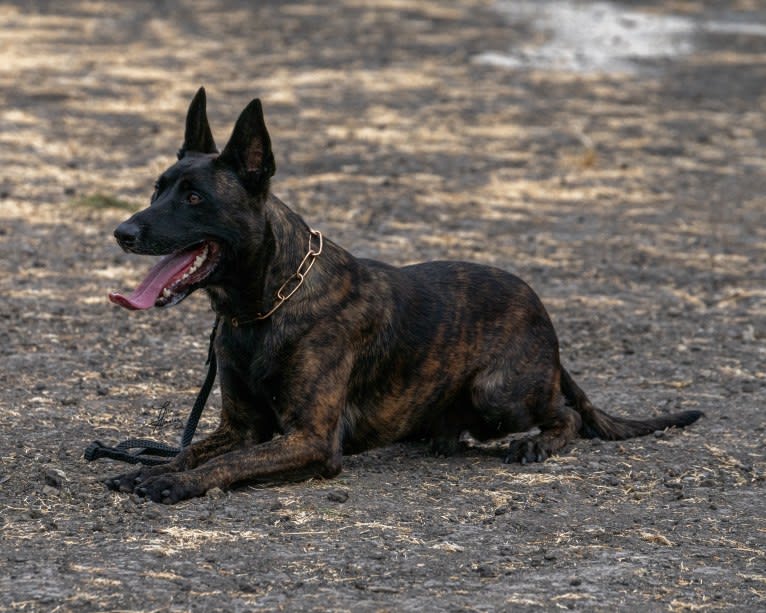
321 353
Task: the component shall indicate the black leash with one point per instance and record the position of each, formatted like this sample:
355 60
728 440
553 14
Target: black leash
152 452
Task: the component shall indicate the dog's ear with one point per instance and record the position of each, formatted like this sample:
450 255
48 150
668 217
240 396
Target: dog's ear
248 151
198 136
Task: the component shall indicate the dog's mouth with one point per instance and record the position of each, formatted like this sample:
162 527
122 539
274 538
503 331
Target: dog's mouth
173 278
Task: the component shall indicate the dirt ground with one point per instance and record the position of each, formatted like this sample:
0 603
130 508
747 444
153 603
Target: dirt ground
633 201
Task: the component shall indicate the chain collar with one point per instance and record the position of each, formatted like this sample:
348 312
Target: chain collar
293 282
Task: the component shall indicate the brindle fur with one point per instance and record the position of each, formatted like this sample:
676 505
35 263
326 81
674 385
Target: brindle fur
364 354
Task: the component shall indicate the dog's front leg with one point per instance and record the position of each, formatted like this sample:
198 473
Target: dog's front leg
242 422
291 457
217 443
310 446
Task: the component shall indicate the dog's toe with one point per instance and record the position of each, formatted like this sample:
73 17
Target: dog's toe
124 483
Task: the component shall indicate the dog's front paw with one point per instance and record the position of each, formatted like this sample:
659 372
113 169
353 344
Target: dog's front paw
127 482
170 488
526 451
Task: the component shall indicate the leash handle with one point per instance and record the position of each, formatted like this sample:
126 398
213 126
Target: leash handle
152 452
121 452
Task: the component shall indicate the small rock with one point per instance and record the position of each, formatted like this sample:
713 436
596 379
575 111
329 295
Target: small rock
215 493
337 495
137 500
659 433
485 571
50 491
575 582
54 477
501 510
748 333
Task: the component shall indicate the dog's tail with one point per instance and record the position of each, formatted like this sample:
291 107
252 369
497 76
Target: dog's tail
598 424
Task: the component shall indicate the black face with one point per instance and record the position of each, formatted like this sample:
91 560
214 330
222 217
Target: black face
187 221
182 205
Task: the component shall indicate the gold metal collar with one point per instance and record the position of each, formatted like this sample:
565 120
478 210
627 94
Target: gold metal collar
293 282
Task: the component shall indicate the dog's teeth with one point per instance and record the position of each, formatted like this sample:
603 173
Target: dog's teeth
198 261
166 293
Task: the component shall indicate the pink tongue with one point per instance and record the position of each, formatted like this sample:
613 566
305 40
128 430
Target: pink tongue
159 277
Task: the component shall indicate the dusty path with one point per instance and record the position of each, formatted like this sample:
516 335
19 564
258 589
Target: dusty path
632 201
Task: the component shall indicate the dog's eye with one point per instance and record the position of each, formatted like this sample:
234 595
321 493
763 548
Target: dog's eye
193 198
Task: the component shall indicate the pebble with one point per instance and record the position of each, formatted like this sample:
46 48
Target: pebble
50 490
54 477
215 493
337 495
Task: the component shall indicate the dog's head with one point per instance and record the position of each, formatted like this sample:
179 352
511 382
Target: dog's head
201 208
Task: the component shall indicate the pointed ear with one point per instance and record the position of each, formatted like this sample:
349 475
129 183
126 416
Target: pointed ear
248 151
198 136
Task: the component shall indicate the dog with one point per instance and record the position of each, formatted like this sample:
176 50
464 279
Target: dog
322 354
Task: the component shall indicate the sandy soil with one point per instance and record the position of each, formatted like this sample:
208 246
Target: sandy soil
633 202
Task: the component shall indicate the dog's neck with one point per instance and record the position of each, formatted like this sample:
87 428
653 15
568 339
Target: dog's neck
259 272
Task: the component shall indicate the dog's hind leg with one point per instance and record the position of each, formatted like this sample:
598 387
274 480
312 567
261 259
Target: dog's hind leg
516 398
446 428
555 434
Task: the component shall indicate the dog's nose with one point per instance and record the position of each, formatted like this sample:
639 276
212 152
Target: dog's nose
127 233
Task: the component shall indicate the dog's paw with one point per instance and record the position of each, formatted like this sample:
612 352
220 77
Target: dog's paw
526 451
125 483
170 488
